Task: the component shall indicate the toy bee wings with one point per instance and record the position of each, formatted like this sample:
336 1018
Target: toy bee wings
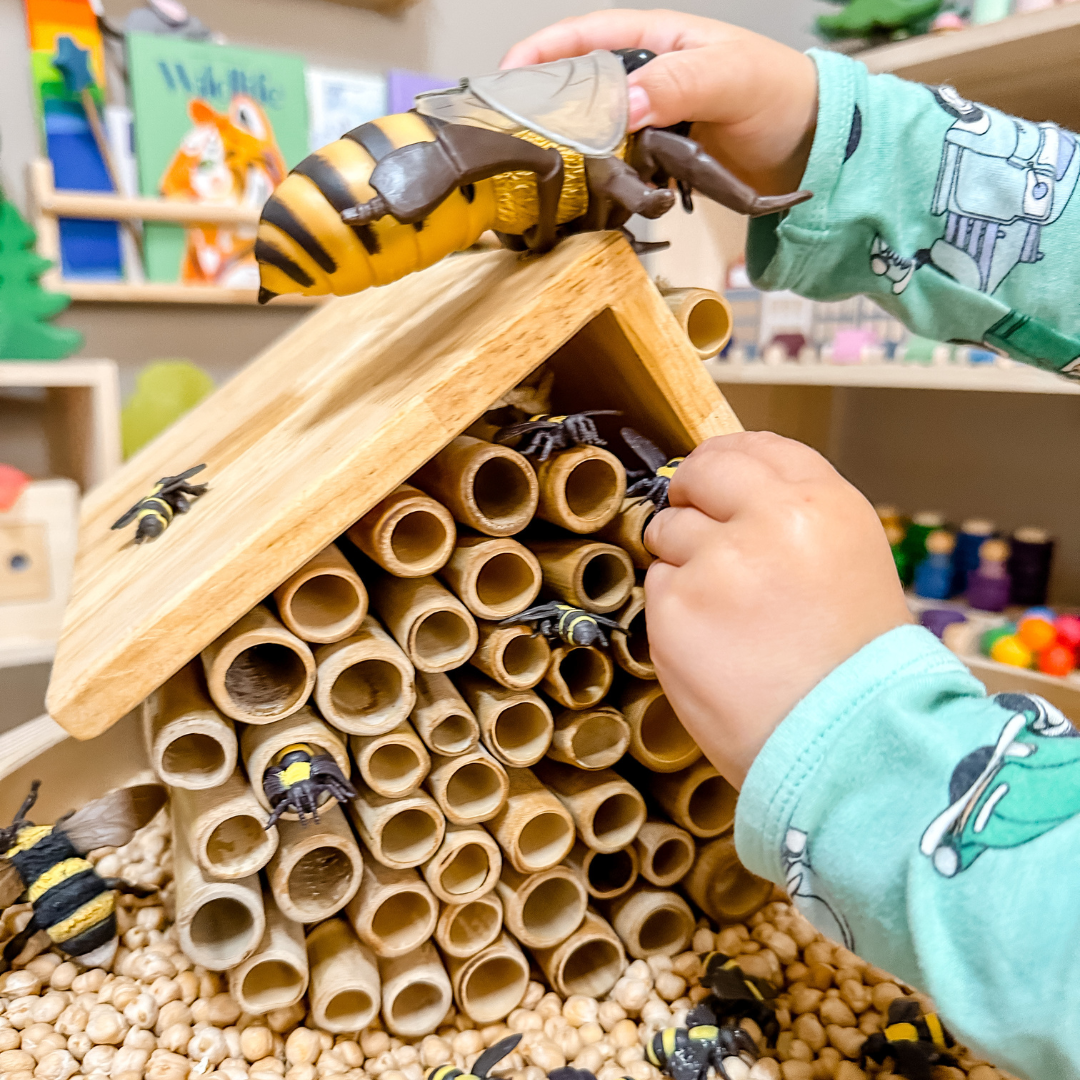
533 153
654 484
171 495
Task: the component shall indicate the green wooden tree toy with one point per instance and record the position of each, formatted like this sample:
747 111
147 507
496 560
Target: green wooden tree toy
892 19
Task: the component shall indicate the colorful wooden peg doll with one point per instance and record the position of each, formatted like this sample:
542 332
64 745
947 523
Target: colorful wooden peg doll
988 587
934 575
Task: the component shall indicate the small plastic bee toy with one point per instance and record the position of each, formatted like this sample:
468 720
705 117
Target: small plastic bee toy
171 495
481 1066
735 995
916 1041
653 484
74 908
551 433
566 623
688 1053
298 779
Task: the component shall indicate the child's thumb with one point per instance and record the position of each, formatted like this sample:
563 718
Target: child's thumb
674 87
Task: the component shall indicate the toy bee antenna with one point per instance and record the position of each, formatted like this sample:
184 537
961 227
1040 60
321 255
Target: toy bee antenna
551 433
171 495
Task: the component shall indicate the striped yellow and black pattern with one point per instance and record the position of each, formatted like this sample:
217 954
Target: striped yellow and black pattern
569 617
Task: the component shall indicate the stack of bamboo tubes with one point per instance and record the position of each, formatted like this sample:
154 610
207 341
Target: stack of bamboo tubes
521 804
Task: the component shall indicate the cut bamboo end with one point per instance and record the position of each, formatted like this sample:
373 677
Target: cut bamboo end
542 909
408 534
515 725
590 739
433 626
400 833
513 656
652 922
393 764
534 829
578 677
491 984
581 489
605 874
698 799
631 650
325 600
258 671
705 317
365 682
665 851
607 811
190 744
657 738
275 976
721 886
416 992
488 487
345 993
441 717
589 962
466 867
465 929
627 531
495 577
590 575
394 912
470 788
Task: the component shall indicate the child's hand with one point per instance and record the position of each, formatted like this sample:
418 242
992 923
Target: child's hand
755 99
772 571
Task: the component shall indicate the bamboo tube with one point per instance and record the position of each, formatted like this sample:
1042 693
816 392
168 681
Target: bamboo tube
578 677
399 832
260 745
469 788
515 725
542 909
721 886
698 799
226 829
325 600
627 530
495 577
652 922
488 487
365 682
219 924
431 625
657 738
345 992
275 976
491 984
190 744
317 868
665 851
514 656
258 671
534 829
590 575
466 866
466 929
631 650
441 717
416 992
705 317
606 809
589 738
408 534
394 911
589 962
581 489
393 764
605 874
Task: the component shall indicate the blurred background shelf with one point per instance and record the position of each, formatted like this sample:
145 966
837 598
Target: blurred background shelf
23 653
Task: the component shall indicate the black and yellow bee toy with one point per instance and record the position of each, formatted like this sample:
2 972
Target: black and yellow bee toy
299 778
566 623
916 1041
688 1053
481 1066
73 907
653 483
533 154
735 996
551 433
171 495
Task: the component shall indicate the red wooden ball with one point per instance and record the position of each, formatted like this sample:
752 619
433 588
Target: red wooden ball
1068 630
1057 660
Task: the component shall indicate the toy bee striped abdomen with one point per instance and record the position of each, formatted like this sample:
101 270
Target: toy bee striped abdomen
688 1053
171 495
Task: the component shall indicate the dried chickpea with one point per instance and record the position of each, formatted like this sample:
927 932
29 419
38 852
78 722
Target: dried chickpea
522 1020
175 1038
89 982
10 1039
286 1018
631 993
131 1059
848 1070
164 1065
579 1010
836 1011
44 1041
848 1040
17 1061
21 983
256 1042
57 1065
140 1039
546 1055
870 1021
625 1057
19 1012
795 1069
764 1069
78 1044
467 1042
373 1042
188 985
99 1059
670 986
688 966
590 1059
568 1041
302 1047
590 1033
728 941
609 1014
883 994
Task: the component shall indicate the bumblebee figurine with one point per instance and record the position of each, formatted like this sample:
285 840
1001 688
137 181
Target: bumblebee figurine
481 1066
916 1041
688 1053
653 483
734 996
566 623
171 495
533 153
551 433
299 779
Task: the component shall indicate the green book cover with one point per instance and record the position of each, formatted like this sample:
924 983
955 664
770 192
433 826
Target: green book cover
217 124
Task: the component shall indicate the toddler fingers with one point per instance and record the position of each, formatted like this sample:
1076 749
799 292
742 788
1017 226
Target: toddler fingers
792 460
721 484
676 534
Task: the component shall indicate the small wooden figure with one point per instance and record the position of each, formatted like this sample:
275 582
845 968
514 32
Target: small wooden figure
171 495
551 433
652 484
566 623
934 575
914 1040
988 587
298 779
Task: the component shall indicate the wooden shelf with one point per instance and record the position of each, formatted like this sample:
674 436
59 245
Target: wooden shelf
20 652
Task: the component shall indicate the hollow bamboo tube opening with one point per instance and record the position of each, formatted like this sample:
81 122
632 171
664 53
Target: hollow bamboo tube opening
365 681
191 745
697 799
495 577
605 874
325 600
393 764
666 853
488 487
515 725
441 718
581 489
589 962
513 656
705 317
589 739
578 676
652 922
721 886
534 829
469 788
542 909
408 534
344 994
657 738
491 984
590 575
394 912
275 976
631 650
606 809
627 530
400 833
465 929
258 671
465 867
416 992
432 625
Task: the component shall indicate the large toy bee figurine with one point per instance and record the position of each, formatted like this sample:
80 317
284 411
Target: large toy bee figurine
73 907
652 485
913 1039
687 1053
551 433
566 623
298 779
481 1066
171 495
735 995
532 153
